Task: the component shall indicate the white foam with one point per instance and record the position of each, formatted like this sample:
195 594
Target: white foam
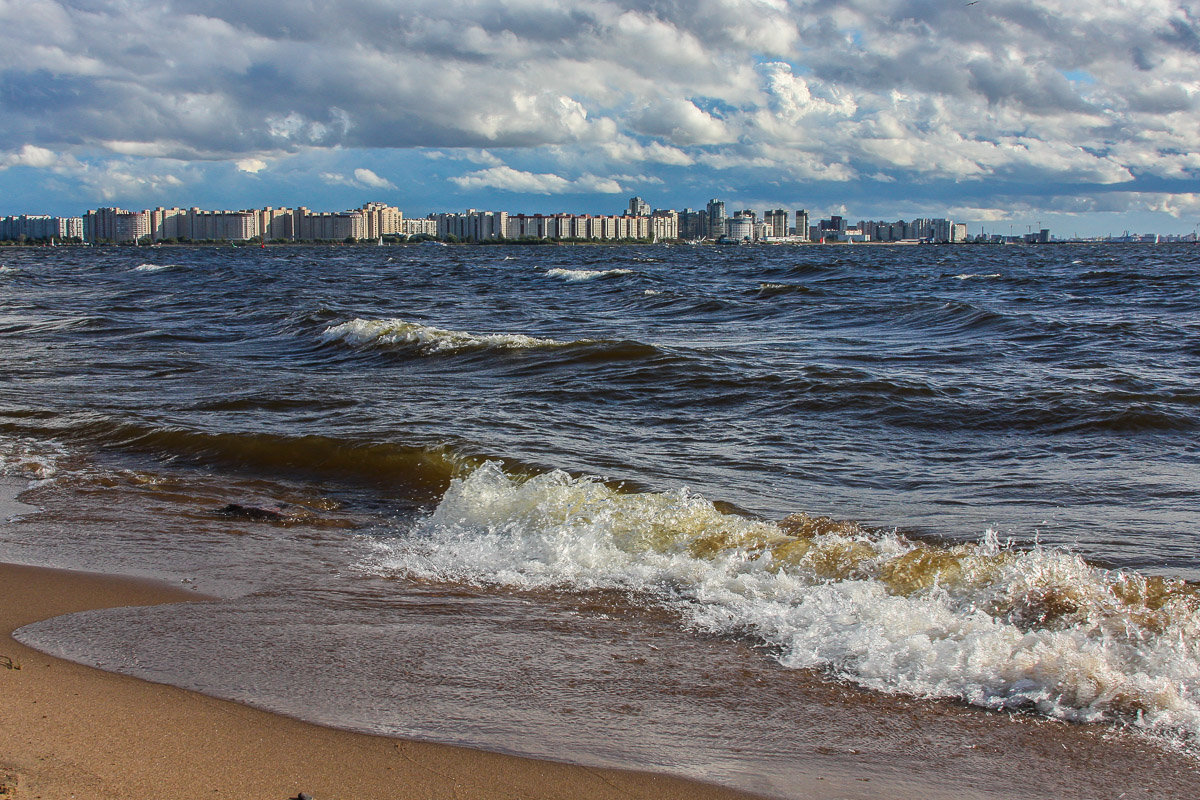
973 276
30 460
154 267
398 332
577 275
972 632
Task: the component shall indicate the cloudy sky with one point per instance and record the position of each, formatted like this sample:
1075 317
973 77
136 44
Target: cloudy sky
1079 116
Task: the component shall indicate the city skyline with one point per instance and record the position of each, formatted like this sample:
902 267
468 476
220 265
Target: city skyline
1008 116
640 220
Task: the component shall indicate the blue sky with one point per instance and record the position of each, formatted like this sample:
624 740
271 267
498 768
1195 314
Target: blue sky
1004 114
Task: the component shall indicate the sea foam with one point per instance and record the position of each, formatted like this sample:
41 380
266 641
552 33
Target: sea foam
1038 630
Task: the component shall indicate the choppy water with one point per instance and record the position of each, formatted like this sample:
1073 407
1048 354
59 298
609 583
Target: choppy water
523 494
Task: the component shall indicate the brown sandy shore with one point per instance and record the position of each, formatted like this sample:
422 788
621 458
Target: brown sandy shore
67 731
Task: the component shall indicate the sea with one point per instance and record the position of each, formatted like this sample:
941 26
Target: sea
924 517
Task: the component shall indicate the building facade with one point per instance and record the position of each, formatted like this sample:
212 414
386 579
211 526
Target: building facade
776 224
40 226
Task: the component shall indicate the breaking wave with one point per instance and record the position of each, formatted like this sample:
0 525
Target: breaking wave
1038 630
577 275
154 267
427 339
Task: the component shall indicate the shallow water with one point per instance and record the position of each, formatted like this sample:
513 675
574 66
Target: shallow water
744 502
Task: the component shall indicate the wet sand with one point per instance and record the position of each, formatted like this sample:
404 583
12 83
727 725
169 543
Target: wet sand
74 731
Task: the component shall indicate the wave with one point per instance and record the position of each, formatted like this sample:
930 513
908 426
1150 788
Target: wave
775 289
427 339
154 267
27 459
418 472
577 275
1038 630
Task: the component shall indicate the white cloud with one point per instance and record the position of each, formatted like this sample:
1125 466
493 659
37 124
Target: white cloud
365 177
29 155
361 178
251 165
511 180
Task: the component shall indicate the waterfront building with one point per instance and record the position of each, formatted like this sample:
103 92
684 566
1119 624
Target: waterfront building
472 225
638 207
40 226
716 217
327 226
693 224
802 225
419 227
380 219
276 224
664 225
740 227
776 224
115 225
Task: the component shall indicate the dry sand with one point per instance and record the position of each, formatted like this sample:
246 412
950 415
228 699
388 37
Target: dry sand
70 731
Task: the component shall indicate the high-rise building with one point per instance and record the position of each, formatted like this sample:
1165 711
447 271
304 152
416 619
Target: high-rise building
776 223
380 219
716 217
802 224
40 226
475 226
638 207
741 226
664 225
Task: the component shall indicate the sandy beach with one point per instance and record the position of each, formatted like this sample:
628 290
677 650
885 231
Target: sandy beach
73 731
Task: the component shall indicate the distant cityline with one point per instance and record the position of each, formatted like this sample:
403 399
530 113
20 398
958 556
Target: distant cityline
379 221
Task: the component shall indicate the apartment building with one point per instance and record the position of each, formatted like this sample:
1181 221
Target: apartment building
40 226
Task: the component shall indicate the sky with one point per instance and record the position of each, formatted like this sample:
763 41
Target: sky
1009 115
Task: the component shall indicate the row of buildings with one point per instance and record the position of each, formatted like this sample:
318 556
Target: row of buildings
375 221
777 225
372 221
41 226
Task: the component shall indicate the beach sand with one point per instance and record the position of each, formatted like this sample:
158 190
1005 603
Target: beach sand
68 730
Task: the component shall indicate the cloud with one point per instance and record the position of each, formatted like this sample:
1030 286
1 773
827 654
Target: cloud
361 178
251 165
511 180
703 93
365 177
29 156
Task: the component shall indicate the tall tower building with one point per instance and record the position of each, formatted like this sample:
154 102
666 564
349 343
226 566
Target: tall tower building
776 223
638 207
716 217
802 224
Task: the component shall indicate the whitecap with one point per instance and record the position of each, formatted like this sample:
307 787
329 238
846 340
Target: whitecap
578 275
428 339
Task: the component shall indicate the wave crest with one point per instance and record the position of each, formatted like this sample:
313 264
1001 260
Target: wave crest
997 627
577 275
428 339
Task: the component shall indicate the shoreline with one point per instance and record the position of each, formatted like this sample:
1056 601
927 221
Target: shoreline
73 730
